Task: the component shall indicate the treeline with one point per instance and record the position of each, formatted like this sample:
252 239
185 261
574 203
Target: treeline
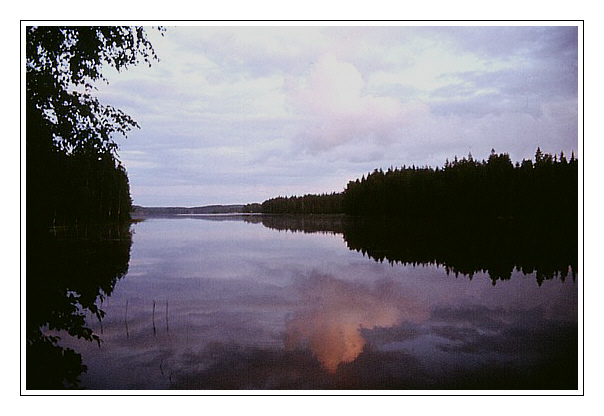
73 174
495 188
82 189
470 188
85 185
307 204
76 188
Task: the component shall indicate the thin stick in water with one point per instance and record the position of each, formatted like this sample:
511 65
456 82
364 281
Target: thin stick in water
154 330
167 327
126 320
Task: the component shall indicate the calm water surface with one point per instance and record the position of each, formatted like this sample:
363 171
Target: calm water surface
223 303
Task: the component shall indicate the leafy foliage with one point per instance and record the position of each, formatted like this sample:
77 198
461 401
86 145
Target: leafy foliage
73 174
62 59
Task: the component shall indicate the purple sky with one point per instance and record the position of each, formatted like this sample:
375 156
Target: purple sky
243 114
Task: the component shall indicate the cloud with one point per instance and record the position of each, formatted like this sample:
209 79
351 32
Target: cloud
137 159
313 107
333 100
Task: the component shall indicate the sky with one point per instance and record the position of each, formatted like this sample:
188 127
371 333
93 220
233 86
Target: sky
242 114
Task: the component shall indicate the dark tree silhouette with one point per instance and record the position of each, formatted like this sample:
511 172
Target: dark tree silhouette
61 59
545 191
73 173
68 277
307 204
468 216
76 186
496 247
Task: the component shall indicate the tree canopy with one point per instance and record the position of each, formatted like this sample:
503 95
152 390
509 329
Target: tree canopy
73 173
63 63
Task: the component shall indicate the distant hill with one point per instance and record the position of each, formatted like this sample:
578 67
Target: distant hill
138 211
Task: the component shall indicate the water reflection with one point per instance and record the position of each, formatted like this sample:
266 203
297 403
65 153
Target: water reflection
497 247
228 304
334 313
70 272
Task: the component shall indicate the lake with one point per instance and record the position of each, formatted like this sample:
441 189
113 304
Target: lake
323 302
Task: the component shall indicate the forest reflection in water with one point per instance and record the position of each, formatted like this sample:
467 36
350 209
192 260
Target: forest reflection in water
70 271
548 248
215 302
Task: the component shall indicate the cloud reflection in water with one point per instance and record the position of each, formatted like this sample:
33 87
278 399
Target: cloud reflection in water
333 312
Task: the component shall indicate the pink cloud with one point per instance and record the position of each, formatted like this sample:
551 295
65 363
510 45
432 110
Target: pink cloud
333 99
